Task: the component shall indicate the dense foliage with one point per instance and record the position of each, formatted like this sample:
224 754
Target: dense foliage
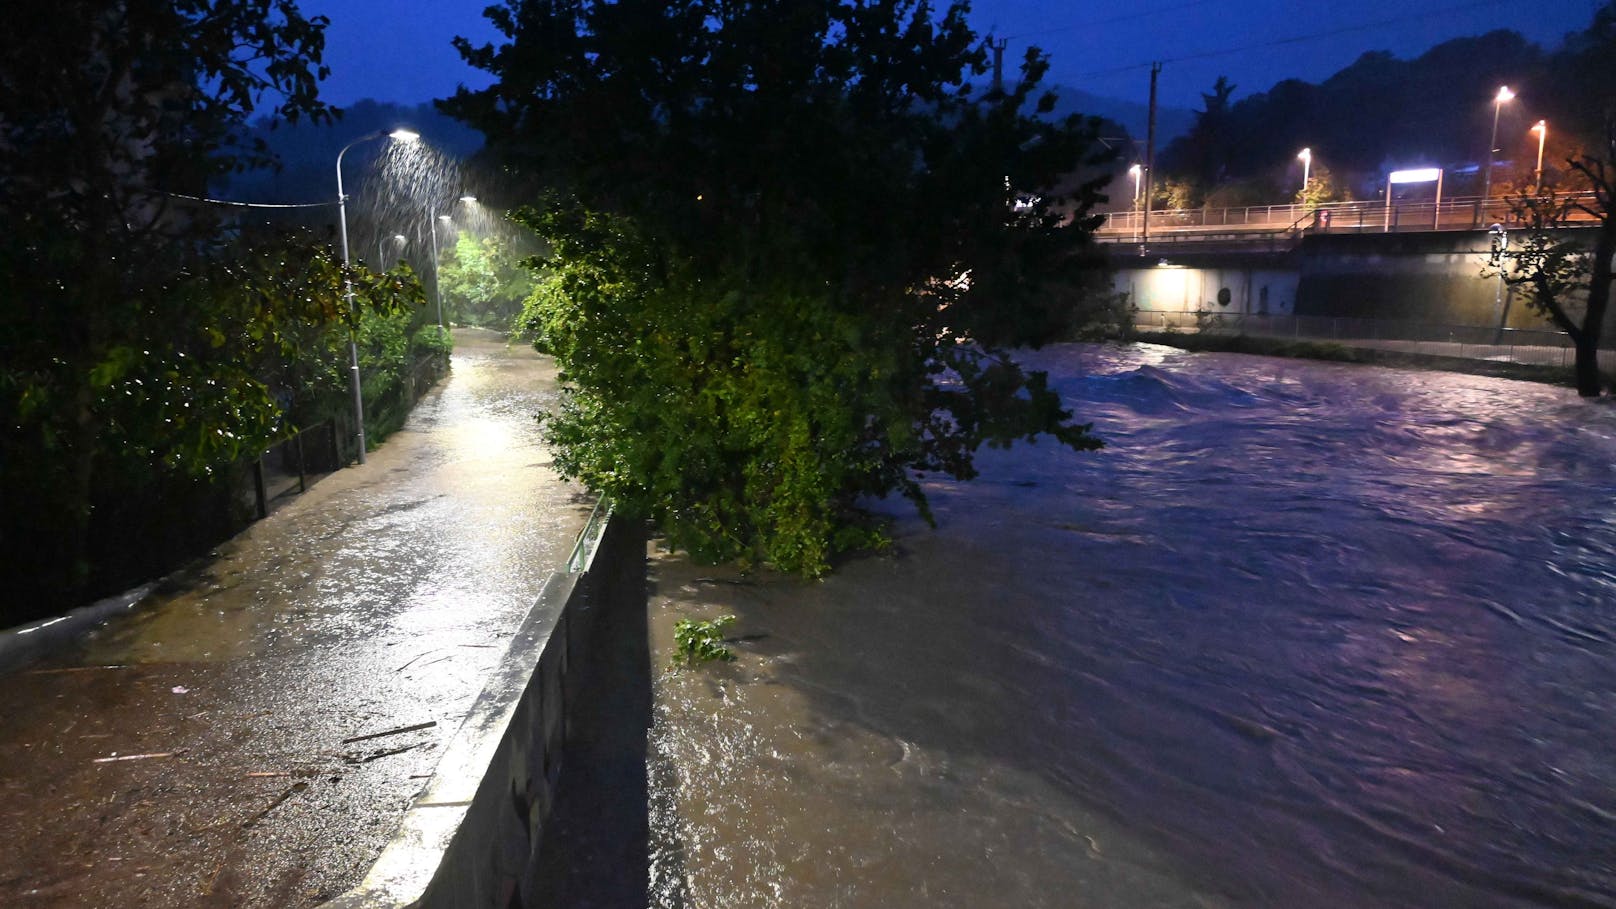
146 346
484 282
790 244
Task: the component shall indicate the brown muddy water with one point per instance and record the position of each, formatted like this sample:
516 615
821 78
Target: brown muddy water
1304 635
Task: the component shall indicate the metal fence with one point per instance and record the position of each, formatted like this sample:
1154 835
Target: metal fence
287 466
1460 213
1538 347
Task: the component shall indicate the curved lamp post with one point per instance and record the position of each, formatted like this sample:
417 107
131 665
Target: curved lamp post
381 246
1504 94
1542 130
400 135
1137 172
432 219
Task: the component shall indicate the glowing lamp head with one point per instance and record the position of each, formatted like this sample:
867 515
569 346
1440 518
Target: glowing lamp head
1504 94
404 135
1305 154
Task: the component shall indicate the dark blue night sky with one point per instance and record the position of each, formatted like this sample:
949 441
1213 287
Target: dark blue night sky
399 51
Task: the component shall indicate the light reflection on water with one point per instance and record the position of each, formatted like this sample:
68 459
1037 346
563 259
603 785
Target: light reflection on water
1304 634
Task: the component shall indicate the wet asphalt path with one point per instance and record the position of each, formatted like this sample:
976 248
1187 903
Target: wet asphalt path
212 749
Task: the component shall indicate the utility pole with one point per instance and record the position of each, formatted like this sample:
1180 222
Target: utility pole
1150 159
998 63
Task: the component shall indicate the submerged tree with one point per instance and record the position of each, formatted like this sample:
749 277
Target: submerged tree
790 245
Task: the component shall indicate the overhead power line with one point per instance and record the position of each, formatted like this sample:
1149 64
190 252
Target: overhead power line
248 204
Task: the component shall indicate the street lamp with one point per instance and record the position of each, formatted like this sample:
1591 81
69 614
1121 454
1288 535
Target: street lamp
400 135
381 246
1542 130
1504 94
1306 155
1138 173
432 219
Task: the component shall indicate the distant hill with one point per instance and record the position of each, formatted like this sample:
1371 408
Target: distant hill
308 152
1134 117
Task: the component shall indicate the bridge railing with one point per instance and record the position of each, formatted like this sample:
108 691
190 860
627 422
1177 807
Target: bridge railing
1460 213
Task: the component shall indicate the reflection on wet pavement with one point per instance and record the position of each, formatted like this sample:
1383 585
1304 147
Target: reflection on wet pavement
212 749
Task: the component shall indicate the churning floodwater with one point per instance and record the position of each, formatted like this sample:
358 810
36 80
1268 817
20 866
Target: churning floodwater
1303 634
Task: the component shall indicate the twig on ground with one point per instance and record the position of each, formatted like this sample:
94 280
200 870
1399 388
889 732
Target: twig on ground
400 730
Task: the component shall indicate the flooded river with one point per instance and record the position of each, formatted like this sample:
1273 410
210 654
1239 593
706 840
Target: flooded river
1304 634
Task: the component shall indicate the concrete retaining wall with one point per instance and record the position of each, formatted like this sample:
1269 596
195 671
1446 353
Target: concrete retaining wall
1423 277
472 838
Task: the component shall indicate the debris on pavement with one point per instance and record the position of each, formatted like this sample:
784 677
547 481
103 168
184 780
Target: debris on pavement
399 731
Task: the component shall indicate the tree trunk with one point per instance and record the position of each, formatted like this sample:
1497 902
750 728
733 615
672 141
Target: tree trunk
1593 323
1587 365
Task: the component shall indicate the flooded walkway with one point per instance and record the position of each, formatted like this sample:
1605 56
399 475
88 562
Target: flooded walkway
253 737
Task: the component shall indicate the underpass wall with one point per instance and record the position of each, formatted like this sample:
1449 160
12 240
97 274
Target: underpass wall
1434 277
1181 285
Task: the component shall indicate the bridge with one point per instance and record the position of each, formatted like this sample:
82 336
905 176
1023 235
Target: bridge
1280 228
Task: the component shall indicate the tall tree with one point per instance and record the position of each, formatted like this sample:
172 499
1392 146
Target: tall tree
1566 274
106 108
1208 142
790 245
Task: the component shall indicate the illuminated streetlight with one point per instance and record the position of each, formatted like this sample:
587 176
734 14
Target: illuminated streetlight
1542 130
397 135
1137 173
1306 155
1504 94
381 246
432 224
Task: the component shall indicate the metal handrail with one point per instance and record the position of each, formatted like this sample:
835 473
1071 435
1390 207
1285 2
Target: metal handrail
1370 215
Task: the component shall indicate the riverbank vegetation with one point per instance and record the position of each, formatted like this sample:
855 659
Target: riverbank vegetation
151 346
790 247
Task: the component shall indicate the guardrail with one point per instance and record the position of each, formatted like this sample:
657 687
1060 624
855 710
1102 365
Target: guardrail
1460 213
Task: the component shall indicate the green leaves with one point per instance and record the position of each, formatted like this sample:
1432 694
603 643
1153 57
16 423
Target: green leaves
697 641
784 257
